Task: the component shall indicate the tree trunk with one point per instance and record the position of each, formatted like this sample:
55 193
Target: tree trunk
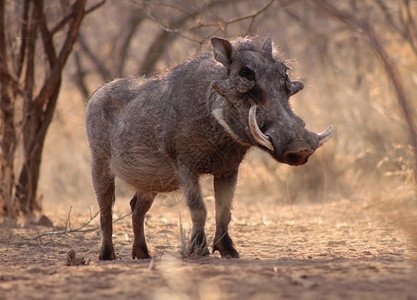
8 142
18 83
41 111
7 127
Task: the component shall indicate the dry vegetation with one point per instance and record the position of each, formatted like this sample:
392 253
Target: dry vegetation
362 182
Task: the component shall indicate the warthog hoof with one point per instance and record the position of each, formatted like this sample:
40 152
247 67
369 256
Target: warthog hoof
224 245
140 251
197 246
107 253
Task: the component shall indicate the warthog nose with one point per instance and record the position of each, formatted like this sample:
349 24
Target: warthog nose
297 158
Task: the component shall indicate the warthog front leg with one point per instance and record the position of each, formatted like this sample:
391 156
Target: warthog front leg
104 187
224 188
140 204
197 246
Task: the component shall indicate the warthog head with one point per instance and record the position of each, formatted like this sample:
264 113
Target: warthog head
254 107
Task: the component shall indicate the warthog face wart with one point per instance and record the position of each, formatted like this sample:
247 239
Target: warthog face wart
161 134
255 107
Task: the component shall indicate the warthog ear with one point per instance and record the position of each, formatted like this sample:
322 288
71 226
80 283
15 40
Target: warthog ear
222 50
267 46
296 86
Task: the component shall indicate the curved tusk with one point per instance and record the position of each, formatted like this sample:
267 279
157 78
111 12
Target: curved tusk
325 135
259 136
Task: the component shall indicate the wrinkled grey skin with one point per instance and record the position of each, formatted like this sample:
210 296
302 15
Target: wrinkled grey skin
162 134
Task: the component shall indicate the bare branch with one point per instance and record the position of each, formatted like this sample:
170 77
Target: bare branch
3 52
388 16
407 29
175 27
94 7
30 55
104 73
25 34
134 22
166 5
12 80
60 235
70 16
223 24
166 37
79 76
410 25
252 16
46 36
52 80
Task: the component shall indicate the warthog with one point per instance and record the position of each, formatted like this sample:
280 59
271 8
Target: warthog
162 134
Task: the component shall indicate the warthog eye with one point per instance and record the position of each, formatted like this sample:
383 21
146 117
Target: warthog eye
247 73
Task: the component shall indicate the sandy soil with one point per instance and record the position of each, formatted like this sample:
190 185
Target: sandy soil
332 250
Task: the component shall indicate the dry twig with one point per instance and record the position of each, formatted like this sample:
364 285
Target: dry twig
60 235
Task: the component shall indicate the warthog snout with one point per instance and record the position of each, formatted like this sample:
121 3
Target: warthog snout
294 152
297 158
300 151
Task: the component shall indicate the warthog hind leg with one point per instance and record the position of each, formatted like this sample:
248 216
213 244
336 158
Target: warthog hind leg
140 204
103 183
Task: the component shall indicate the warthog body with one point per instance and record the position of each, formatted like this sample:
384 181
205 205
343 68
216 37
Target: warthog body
161 134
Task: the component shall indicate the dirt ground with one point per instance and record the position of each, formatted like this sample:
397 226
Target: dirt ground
333 250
